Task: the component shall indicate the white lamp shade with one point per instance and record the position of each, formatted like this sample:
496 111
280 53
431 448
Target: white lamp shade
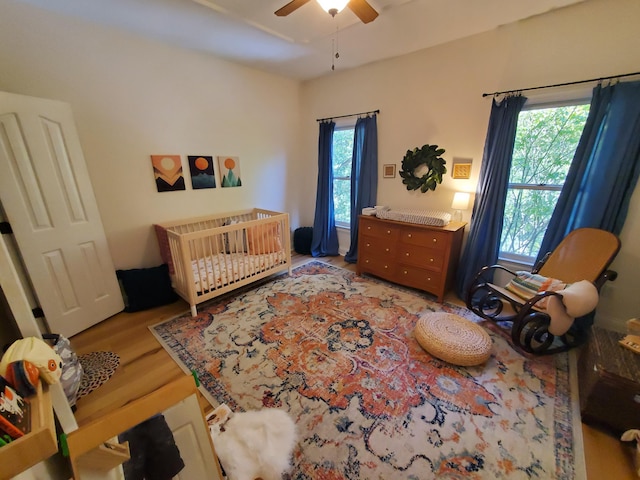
460 201
338 5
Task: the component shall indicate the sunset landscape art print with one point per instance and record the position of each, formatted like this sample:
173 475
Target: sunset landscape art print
202 174
230 171
167 170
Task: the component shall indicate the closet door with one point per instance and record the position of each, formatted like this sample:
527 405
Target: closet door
47 196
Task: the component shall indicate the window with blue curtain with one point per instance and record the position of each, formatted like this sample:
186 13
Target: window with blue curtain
597 190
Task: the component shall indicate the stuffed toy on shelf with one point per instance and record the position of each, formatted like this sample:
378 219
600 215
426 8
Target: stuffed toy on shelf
37 352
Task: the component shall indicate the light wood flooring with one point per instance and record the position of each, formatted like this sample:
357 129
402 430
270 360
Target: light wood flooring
145 366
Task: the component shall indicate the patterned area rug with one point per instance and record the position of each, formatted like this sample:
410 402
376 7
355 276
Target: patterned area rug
337 351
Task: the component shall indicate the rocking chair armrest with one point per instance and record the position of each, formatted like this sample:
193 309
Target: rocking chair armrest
490 268
479 280
609 275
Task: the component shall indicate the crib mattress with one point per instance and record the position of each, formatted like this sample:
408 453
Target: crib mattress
421 217
216 271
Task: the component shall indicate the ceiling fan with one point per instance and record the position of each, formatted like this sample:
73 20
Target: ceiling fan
361 8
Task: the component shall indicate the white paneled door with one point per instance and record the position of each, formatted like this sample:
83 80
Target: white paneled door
47 196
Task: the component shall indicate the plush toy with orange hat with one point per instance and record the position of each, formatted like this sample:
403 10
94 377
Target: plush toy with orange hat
37 352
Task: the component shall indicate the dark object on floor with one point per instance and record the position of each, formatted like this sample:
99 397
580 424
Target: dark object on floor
154 453
609 379
302 240
145 288
98 368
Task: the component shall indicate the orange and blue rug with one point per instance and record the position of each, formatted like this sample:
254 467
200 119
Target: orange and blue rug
337 351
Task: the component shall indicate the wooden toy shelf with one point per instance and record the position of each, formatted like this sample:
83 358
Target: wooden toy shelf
37 445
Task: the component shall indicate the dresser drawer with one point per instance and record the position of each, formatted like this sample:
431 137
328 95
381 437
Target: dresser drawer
419 278
376 246
382 267
425 239
413 255
389 233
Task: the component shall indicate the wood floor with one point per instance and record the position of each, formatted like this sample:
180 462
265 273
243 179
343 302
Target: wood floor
145 366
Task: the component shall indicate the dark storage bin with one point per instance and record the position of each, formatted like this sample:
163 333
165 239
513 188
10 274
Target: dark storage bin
609 377
302 240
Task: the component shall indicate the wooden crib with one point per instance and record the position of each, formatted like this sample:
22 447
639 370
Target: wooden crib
212 255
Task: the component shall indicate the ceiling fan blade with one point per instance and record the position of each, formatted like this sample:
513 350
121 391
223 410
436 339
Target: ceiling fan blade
363 10
290 7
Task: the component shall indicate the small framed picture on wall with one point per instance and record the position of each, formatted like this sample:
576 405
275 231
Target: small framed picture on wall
461 168
389 170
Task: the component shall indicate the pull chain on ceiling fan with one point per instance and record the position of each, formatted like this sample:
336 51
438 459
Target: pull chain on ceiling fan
334 45
360 8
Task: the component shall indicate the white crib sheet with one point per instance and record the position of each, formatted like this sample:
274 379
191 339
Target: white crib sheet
219 270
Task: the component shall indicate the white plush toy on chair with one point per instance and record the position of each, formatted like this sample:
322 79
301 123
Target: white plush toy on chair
578 299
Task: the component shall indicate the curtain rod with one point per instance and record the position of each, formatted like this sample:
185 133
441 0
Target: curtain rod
345 116
562 84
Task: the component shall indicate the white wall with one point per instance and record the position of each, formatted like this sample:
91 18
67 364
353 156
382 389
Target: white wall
133 97
435 96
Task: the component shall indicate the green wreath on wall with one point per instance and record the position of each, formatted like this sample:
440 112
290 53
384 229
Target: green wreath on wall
429 156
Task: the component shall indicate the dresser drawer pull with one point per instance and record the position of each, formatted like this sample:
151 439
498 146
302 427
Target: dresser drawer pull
428 279
405 272
431 260
386 249
366 261
386 266
388 232
368 244
409 235
369 227
435 240
407 254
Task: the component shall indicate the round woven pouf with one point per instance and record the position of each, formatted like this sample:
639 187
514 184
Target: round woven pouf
453 339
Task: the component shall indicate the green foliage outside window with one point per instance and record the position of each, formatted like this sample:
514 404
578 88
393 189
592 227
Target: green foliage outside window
546 141
342 154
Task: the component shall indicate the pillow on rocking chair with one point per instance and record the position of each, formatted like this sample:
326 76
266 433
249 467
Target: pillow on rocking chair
526 285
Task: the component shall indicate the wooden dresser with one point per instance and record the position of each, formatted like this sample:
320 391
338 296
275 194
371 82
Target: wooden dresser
417 256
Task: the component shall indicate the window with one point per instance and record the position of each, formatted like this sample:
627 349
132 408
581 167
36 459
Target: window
546 140
341 161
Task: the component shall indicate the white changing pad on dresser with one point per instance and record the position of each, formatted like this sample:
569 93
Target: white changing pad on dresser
410 215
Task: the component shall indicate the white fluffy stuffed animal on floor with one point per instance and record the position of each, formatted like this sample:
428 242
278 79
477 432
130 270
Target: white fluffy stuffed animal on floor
254 444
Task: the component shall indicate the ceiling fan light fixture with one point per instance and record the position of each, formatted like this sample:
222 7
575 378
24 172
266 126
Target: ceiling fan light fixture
333 6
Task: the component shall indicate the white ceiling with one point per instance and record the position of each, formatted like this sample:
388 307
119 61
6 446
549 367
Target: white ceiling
301 44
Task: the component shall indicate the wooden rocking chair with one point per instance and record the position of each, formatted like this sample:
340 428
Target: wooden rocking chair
584 254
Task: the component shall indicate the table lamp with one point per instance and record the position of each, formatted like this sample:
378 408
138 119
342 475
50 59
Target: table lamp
460 202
